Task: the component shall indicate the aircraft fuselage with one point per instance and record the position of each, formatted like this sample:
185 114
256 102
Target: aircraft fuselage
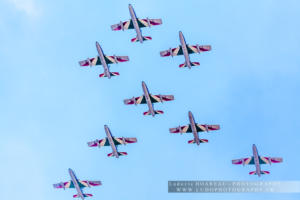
147 97
111 142
102 59
194 129
184 50
256 160
76 185
135 24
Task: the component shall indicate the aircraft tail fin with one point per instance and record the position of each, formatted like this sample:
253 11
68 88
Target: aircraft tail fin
191 63
261 172
119 153
144 38
201 141
111 73
85 195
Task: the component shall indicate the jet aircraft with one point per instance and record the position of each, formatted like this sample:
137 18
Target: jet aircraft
257 161
78 185
112 141
194 128
185 49
149 99
137 24
103 60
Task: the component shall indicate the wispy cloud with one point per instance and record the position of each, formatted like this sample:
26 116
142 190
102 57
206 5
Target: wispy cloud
28 6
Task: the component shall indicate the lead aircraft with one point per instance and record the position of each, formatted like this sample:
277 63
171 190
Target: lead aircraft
149 99
185 49
104 60
112 141
194 128
78 185
137 24
257 161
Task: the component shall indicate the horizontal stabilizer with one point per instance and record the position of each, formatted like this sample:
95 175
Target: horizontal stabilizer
261 172
85 195
195 63
119 153
144 39
111 73
155 112
191 64
201 141
182 65
159 112
147 38
147 113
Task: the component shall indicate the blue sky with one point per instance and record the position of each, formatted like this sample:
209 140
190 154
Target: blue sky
50 107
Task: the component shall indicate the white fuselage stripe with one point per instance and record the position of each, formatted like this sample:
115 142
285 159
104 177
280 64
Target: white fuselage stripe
102 59
135 24
148 100
111 142
256 160
76 185
194 129
184 50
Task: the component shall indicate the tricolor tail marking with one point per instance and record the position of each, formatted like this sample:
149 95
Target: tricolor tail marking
155 111
261 172
192 64
144 38
119 153
111 73
85 195
195 63
201 141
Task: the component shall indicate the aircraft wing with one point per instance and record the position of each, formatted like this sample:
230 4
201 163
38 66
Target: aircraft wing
206 128
100 143
161 98
83 184
244 161
181 129
172 52
198 48
149 22
123 140
90 62
116 59
269 160
135 100
123 26
64 185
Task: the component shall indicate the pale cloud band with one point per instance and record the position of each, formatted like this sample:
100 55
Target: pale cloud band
28 6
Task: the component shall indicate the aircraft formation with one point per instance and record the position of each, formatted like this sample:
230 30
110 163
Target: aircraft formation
149 99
